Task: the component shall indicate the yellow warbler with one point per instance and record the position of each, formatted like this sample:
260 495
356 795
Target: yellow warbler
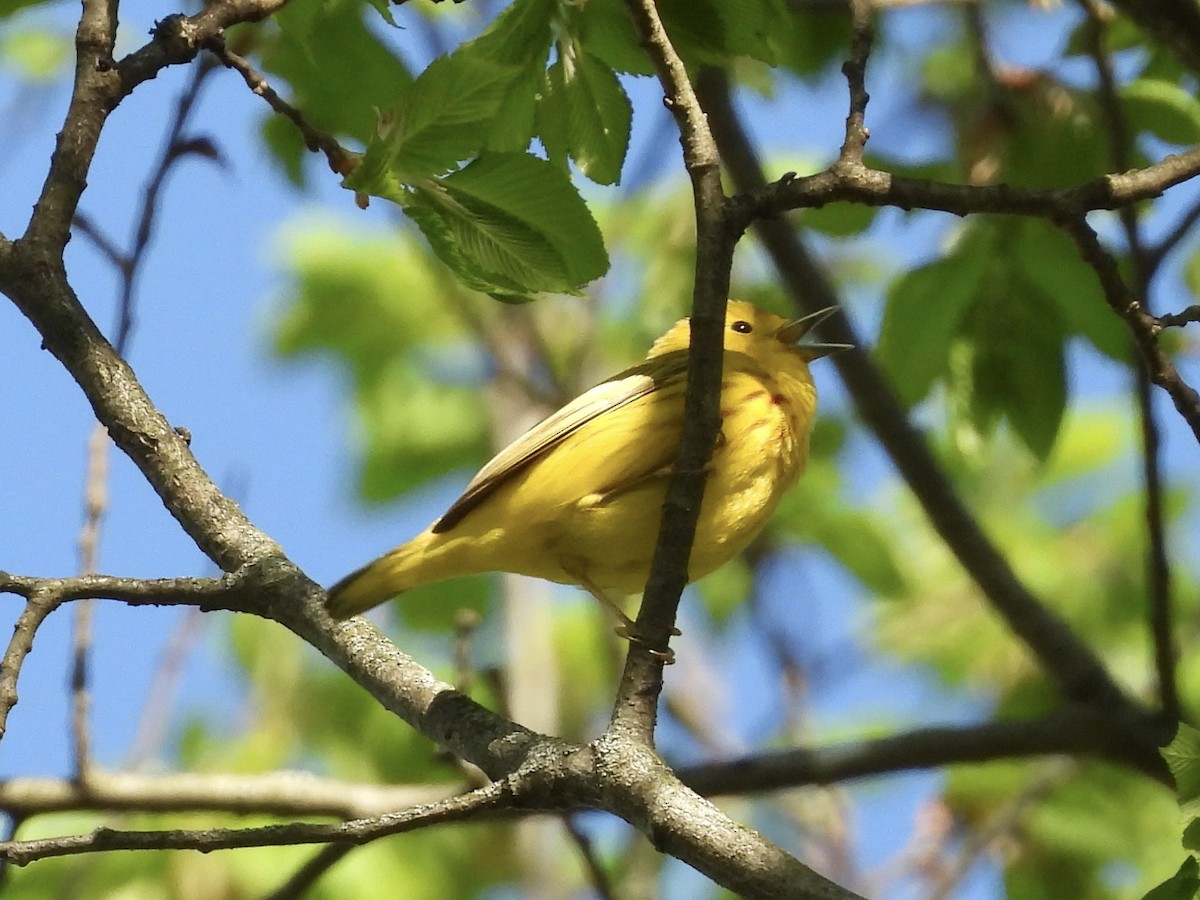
578 498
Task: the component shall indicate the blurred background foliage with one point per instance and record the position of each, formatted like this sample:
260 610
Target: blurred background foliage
849 617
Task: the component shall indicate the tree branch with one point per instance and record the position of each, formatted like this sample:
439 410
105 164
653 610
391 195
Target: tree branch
1143 326
339 159
307 875
1158 570
1179 319
1077 730
489 799
635 710
40 604
276 793
853 182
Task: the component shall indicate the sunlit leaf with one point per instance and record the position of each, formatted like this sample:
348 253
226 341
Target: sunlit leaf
511 225
593 116
1183 758
1183 885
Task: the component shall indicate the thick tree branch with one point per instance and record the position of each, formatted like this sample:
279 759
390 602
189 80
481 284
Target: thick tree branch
637 783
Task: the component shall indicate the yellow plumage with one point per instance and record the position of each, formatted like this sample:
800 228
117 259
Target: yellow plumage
578 498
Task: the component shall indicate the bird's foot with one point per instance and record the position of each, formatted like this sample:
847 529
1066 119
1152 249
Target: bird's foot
626 631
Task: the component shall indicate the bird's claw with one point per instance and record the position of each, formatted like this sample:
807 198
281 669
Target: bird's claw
626 631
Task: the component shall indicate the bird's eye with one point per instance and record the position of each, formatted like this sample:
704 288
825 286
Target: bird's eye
741 326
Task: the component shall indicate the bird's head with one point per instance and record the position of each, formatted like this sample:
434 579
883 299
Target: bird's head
757 333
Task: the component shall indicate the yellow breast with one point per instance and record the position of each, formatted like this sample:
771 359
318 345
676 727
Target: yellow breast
760 454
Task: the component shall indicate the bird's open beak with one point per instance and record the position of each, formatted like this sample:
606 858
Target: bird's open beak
792 332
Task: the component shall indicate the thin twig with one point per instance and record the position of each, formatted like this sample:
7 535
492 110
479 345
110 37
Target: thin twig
1180 230
278 793
40 604
95 505
310 873
1179 319
1142 325
175 147
855 71
1158 570
492 798
600 883
152 724
228 592
854 183
340 160
1002 822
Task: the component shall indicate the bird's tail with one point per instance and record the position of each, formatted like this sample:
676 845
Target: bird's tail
393 573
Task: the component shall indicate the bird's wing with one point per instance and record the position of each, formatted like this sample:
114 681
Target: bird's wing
622 389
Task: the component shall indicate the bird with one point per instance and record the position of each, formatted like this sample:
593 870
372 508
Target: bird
578 498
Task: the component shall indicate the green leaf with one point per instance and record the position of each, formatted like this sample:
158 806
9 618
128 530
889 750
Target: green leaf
712 31
553 118
808 41
519 35
1163 109
1183 885
511 225
840 219
537 194
595 113
9 7
482 251
1049 261
383 7
814 513
606 31
947 73
383 308
1018 366
515 124
1191 835
1183 759
924 310
309 50
1035 131
417 429
442 118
